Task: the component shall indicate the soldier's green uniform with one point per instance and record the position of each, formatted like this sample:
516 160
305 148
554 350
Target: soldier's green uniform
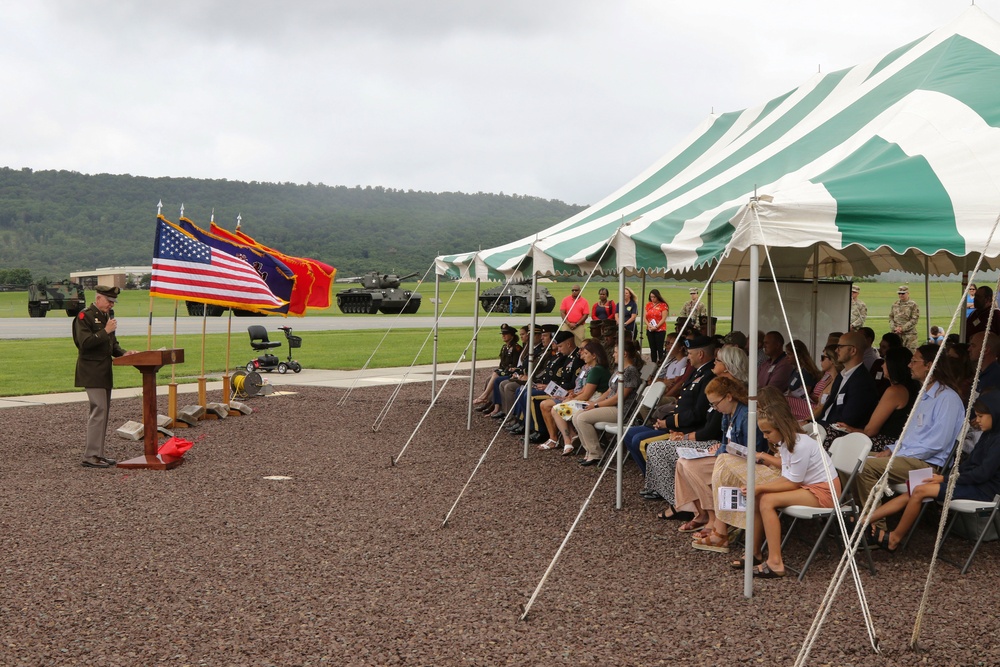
97 347
859 311
903 318
701 311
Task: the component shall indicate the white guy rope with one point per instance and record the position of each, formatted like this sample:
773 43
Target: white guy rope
384 412
343 399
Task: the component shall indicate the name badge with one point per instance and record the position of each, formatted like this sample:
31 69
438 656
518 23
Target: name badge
878 376
840 399
920 420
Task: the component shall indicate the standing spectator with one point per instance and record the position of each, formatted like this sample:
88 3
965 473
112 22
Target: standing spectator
94 337
699 312
604 308
657 312
970 300
903 317
574 310
982 305
630 311
859 311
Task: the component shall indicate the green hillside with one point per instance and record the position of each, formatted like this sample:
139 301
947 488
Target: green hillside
55 222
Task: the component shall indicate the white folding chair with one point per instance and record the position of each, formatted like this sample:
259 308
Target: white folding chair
976 508
650 399
848 454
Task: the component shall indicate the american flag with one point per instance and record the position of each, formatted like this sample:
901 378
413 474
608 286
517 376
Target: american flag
185 268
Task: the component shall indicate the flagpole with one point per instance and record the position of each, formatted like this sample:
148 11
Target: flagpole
225 374
172 387
149 326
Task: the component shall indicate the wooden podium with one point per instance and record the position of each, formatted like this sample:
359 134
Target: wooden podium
148 362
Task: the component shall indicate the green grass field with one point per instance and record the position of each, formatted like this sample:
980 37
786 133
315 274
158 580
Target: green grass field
46 366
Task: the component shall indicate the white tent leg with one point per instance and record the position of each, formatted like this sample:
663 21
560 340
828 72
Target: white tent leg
437 317
621 393
751 420
640 320
475 347
813 325
527 387
927 296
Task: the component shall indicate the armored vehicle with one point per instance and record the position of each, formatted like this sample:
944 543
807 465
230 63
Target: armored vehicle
68 296
195 309
515 298
380 293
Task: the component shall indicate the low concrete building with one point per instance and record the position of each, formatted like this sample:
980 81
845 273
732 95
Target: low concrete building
113 276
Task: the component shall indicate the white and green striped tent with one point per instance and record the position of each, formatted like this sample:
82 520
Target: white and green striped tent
894 163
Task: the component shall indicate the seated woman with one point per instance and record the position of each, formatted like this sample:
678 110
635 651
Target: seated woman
661 450
801 384
731 470
805 469
592 378
886 423
693 477
509 355
978 478
604 408
676 370
830 367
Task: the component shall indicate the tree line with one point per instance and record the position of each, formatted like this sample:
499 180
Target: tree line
55 222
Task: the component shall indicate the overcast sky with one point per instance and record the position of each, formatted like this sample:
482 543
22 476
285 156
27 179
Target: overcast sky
564 99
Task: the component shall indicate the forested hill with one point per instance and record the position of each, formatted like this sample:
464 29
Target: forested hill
54 222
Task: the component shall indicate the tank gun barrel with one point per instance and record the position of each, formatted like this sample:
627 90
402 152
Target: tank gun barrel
408 276
352 279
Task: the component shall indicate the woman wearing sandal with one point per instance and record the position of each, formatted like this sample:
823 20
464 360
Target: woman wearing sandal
592 378
805 469
661 451
693 477
978 478
605 407
509 355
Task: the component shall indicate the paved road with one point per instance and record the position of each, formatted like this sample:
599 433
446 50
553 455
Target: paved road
59 327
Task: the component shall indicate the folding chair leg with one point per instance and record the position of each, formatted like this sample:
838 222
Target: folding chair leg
982 534
817 545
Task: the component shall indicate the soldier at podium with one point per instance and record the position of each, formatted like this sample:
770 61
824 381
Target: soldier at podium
94 337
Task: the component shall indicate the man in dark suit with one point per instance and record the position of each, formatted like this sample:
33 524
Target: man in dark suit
94 336
853 397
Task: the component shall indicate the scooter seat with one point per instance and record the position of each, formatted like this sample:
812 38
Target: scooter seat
258 338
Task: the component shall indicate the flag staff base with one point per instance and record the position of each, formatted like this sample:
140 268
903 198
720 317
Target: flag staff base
203 399
226 397
175 423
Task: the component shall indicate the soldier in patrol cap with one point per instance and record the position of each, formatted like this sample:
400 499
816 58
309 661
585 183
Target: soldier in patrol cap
94 336
859 310
903 317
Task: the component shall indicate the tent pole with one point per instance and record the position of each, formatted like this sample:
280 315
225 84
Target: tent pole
927 294
527 387
437 315
640 320
621 392
813 326
709 329
751 420
475 348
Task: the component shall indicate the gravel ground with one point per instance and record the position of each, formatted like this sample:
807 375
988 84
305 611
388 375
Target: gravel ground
347 563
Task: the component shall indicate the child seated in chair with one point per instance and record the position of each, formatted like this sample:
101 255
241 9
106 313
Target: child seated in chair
978 478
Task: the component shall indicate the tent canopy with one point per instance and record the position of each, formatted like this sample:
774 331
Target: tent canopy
891 164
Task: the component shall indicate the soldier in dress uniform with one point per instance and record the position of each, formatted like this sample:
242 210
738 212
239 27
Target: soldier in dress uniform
94 336
903 318
859 311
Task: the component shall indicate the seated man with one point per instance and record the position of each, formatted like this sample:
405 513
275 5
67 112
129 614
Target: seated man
775 369
561 370
989 375
853 397
691 410
934 426
506 390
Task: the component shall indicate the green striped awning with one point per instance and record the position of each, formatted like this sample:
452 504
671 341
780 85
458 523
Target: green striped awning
894 163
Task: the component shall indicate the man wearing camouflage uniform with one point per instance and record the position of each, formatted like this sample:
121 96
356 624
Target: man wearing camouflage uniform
903 318
699 312
859 311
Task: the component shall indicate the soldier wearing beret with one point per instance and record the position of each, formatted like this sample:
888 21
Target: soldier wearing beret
94 336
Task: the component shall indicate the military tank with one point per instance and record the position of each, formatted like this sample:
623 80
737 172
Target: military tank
380 293
67 295
515 297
